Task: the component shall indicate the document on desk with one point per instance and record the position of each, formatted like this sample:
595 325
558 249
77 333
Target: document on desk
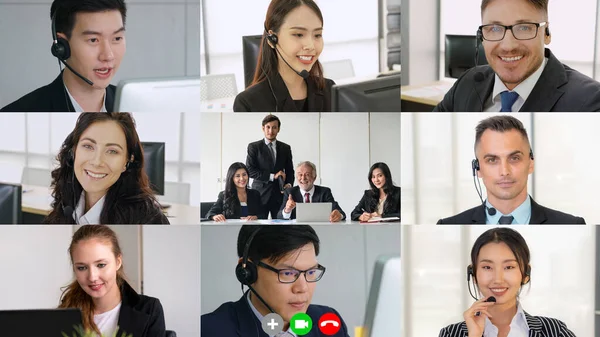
430 91
276 221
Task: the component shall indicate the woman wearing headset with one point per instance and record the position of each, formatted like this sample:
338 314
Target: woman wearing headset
288 75
107 302
100 178
500 268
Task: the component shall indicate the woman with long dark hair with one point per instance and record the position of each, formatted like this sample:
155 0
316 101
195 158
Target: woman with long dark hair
289 76
100 178
499 270
382 200
237 201
107 302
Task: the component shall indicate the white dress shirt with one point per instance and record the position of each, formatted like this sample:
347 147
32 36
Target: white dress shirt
92 217
302 192
518 325
78 107
107 322
523 89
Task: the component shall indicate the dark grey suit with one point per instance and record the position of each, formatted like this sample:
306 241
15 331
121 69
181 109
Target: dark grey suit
559 89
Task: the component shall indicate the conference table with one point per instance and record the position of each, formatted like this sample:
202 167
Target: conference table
424 97
36 201
293 222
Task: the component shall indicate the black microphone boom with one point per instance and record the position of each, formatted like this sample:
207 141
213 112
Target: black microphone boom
261 299
304 74
77 74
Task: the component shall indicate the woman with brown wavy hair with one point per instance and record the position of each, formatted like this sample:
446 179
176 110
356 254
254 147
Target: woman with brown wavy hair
107 302
100 178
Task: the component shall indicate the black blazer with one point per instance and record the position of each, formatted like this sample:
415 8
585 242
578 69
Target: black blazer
236 319
51 98
539 326
559 88
321 194
539 215
260 166
369 201
234 211
259 97
140 315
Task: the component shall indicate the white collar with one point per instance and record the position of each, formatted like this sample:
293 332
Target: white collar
267 142
78 107
523 89
92 217
311 191
518 325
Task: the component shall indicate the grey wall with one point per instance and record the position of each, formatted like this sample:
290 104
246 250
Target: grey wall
347 251
163 40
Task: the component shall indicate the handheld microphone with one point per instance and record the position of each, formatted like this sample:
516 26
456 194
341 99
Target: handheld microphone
304 74
475 167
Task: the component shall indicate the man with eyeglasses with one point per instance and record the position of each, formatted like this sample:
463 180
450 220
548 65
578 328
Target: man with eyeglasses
522 74
278 263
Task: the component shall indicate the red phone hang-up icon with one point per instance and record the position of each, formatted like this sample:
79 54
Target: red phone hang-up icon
329 324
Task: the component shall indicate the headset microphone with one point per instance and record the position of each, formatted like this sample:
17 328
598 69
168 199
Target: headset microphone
62 51
475 167
273 39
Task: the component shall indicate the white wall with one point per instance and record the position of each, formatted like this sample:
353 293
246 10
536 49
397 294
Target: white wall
437 151
562 277
343 146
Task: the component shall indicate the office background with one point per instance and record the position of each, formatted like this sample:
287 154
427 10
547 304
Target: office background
348 252
343 146
563 262
437 149
162 41
36 264
32 141
350 32
575 28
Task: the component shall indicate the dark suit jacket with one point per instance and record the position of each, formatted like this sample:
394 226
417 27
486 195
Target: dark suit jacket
539 215
321 194
51 98
539 326
234 211
259 97
559 88
369 201
141 316
236 319
260 166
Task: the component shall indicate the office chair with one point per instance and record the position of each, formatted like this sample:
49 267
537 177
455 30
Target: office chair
250 50
10 204
205 207
217 86
337 70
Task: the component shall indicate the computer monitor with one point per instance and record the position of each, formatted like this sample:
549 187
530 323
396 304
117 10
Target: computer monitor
180 94
154 157
378 95
250 50
10 204
382 316
460 54
40 322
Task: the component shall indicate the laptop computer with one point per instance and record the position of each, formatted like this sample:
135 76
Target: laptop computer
40 322
313 212
385 299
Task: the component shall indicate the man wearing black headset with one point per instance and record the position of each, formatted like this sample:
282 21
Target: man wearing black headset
278 263
522 74
88 38
504 162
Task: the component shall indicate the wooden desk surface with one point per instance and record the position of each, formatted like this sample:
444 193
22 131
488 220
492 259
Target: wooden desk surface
429 94
37 200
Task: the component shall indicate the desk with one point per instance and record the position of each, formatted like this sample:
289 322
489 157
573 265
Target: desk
292 222
425 97
224 104
36 200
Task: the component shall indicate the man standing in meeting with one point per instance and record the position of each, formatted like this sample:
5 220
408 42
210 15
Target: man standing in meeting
307 191
522 74
269 162
504 160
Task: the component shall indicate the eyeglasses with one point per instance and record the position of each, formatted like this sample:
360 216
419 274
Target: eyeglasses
291 275
521 31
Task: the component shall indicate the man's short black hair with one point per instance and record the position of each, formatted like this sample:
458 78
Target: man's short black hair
273 242
502 123
67 9
269 118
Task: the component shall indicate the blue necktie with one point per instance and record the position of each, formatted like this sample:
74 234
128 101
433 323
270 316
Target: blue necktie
506 220
508 98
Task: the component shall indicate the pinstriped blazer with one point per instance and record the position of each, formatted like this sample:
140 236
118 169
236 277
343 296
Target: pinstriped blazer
538 327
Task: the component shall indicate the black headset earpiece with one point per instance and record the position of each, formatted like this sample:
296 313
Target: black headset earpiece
60 47
271 37
245 271
547 31
479 35
469 273
475 166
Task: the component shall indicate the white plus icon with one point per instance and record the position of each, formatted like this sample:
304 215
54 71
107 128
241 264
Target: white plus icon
272 324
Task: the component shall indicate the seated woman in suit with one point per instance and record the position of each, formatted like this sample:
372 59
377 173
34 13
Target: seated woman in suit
100 178
237 201
499 269
288 75
382 200
107 302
